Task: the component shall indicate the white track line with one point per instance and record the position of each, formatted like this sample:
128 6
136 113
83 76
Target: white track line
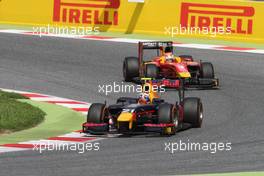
74 105
11 149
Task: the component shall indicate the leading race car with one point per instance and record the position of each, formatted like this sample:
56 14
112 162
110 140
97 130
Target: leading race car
148 113
168 68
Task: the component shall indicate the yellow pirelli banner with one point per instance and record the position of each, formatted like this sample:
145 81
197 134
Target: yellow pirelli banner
227 19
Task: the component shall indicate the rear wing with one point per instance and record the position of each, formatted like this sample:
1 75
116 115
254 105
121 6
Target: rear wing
157 45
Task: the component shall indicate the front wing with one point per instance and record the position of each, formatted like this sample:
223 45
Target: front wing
103 128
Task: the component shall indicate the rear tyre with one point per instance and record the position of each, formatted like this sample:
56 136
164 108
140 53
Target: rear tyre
97 113
168 115
207 70
151 71
193 112
130 68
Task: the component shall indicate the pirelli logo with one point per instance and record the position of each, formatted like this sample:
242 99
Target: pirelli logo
98 12
237 18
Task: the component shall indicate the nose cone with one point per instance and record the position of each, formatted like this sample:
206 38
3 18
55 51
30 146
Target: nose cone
184 75
182 70
125 117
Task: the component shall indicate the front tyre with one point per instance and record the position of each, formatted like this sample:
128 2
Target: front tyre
193 112
168 115
97 113
207 70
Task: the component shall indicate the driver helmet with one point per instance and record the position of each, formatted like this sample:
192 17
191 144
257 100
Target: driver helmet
144 98
168 54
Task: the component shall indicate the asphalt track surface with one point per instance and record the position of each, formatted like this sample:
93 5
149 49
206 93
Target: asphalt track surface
74 69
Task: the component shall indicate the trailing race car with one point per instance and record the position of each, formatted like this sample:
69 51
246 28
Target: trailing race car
148 113
168 68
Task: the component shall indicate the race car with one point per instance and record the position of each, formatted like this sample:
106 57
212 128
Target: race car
147 113
168 68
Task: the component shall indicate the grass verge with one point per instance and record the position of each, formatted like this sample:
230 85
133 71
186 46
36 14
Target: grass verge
58 121
16 115
5 95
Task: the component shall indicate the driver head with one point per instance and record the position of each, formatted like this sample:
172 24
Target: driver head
168 50
144 98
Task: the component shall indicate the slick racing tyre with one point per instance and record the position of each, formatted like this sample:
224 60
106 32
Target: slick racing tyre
130 68
152 71
97 113
168 115
193 112
207 70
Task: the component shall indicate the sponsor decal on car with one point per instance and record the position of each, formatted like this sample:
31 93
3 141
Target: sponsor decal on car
98 12
237 19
